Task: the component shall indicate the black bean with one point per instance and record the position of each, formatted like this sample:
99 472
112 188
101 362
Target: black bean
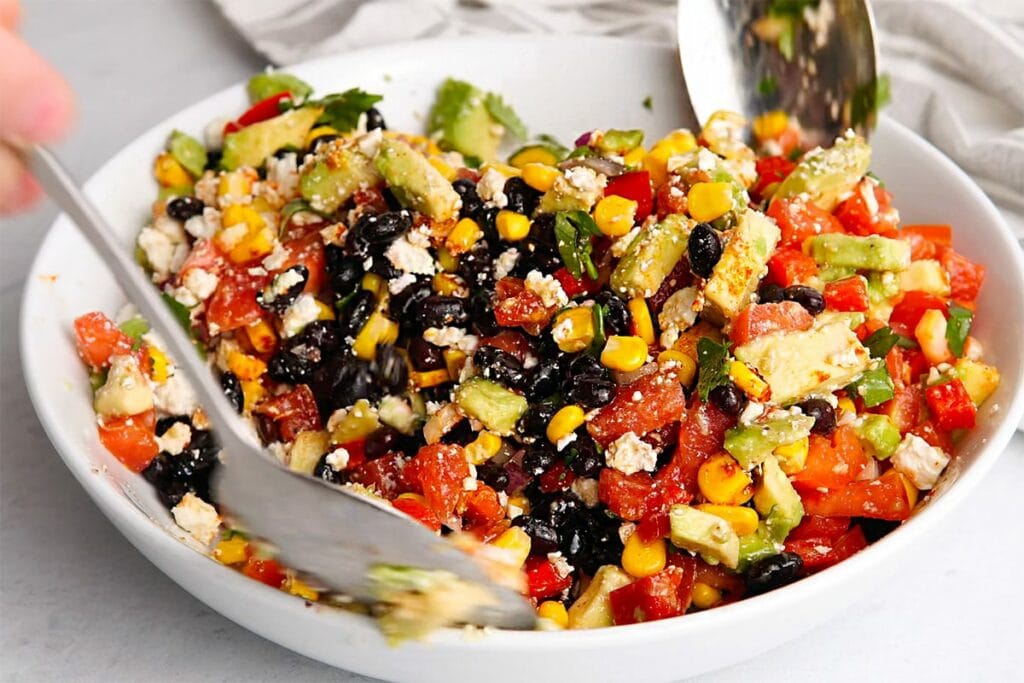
319 335
382 265
390 199
521 197
583 457
352 318
385 440
462 434
471 202
183 208
391 370
441 311
232 388
213 157
704 249
285 366
344 272
324 471
165 423
494 475
728 398
383 228
535 422
544 380
808 297
543 536
374 119
540 455
874 529
589 391
587 365
341 381
773 572
542 230
481 313
159 469
424 355
486 217
770 293
321 139
500 366
476 266
823 413
276 296
589 539
617 319
402 306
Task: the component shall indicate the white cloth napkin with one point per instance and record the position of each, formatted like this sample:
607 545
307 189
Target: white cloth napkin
957 66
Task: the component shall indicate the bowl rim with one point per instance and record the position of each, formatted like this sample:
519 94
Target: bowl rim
132 521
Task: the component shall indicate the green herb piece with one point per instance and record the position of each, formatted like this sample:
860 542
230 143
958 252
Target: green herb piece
768 86
135 328
712 365
573 233
341 303
505 115
874 386
188 152
881 342
791 8
289 210
957 328
342 110
620 141
582 151
868 100
648 103
787 38
184 317
560 150
597 345
264 85
97 378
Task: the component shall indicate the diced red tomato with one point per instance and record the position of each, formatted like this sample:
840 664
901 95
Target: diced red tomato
204 255
661 400
789 267
860 219
572 286
907 313
848 294
558 477
626 495
651 598
482 508
832 462
717 576
671 197
516 306
904 409
543 579
294 411
653 526
510 341
882 498
950 405
758 320
965 276
267 571
635 185
132 439
385 475
925 240
416 508
233 304
700 436
821 553
816 527
770 172
261 111
439 470
799 219
934 435
98 338
308 251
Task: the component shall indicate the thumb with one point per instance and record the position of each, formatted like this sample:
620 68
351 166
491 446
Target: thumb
36 104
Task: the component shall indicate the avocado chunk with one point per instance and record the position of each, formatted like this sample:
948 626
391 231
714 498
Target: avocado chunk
619 141
879 434
701 532
651 256
593 608
825 175
777 501
414 182
339 170
254 143
980 380
815 361
266 84
498 408
873 252
751 444
744 261
126 391
577 189
757 546
460 121
188 152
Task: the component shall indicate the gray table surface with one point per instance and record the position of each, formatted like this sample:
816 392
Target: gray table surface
77 602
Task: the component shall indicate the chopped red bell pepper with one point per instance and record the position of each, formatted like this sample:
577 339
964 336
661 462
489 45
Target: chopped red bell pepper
770 171
439 470
907 313
635 185
925 240
543 578
882 498
815 526
572 286
639 407
294 411
951 405
385 475
904 409
558 477
832 462
131 439
482 508
267 571
261 111
651 598
847 295
821 553
517 306
965 276
860 219
935 436
789 267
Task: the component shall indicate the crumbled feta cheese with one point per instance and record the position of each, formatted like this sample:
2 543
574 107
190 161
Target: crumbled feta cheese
369 144
491 188
562 330
586 489
629 455
196 516
277 258
213 134
337 459
433 407
204 225
585 179
565 441
206 188
201 283
283 172
505 262
175 396
302 312
398 285
677 315
751 412
230 236
175 439
184 296
447 336
409 257
163 253
921 462
547 287
469 484
626 530
279 450
561 565
281 284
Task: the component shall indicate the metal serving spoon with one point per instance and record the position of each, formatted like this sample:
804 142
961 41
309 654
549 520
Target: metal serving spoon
816 61
335 535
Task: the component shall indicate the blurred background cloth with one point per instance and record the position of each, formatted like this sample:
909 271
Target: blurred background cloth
957 66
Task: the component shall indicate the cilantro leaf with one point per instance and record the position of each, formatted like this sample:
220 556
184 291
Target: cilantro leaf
505 115
183 315
957 328
342 110
881 342
573 233
648 103
597 344
289 210
712 364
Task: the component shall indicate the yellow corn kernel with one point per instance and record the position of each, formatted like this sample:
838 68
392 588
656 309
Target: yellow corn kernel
449 263
771 124
614 215
158 364
463 236
635 156
256 244
298 587
377 330
484 447
749 382
516 543
169 173
573 330
793 456
683 365
722 481
374 284
235 184
847 406
708 201
675 143
743 520
443 168
520 503
512 226
705 596
536 154
641 559
263 205
430 378
261 336
912 492
565 422
504 169
624 353
454 360
236 214
643 326
245 366
540 176
449 284
316 132
229 551
252 393
553 612
242 246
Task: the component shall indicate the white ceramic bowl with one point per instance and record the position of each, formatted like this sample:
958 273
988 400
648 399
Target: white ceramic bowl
561 86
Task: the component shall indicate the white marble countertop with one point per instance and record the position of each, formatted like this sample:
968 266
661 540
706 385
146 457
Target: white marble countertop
79 603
